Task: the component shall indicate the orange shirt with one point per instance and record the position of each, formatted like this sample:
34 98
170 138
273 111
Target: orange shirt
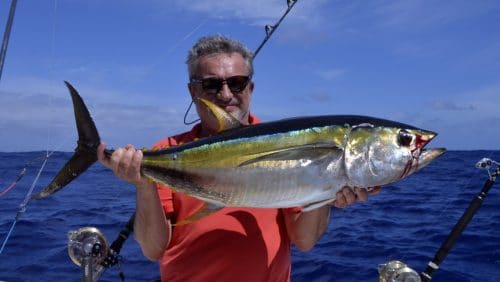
232 244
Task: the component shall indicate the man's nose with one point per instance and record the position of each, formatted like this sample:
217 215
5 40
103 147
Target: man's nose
225 93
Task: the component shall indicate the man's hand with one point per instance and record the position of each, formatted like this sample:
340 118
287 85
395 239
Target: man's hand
125 163
348 196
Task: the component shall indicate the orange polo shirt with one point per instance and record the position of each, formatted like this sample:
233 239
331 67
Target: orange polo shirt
232 244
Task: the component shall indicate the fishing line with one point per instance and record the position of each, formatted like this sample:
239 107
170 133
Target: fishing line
24 204
186 114
19 176
51 67
177 44
170 51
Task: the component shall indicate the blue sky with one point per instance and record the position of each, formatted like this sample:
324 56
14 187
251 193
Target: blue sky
432 64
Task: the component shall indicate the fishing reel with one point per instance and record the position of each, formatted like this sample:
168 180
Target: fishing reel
88 248
396 271
487 164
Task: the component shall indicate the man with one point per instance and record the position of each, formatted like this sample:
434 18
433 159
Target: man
232 244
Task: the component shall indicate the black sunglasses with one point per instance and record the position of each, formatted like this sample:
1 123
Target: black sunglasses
213 86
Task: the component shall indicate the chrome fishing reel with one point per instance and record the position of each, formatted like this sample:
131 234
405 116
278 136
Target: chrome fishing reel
489 165
88 248
396 271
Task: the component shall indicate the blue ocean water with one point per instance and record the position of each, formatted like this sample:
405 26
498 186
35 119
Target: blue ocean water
407 221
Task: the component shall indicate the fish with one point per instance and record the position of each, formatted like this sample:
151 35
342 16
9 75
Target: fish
295 162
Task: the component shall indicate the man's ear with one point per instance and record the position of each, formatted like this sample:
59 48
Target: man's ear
191 91
251 87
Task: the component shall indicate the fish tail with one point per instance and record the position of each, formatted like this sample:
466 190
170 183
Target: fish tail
86 151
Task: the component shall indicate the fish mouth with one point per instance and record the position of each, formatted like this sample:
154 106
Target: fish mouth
426 156
423 138
420 156
423 156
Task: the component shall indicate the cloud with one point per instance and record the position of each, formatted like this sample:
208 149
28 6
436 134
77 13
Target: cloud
316 97
480 103
330 74
321 97
450 105
252 11
469 117
416 15
37 114
486 101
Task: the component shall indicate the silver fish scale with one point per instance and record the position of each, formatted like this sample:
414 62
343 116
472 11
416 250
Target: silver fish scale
262 187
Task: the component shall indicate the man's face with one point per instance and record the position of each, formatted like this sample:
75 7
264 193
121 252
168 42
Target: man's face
215 68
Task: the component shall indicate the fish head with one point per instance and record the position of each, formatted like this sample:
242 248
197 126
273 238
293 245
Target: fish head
379 155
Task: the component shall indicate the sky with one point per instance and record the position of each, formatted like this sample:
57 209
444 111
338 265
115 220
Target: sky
431 64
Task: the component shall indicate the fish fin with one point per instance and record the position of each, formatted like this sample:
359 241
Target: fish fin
205 210
316 205
73 168
86 151
310 152
225 120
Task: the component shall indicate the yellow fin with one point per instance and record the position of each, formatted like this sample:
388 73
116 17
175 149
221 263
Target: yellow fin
224 119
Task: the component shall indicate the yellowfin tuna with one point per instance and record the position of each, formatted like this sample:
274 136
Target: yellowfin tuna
298 162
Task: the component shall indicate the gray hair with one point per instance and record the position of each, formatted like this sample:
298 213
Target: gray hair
217 44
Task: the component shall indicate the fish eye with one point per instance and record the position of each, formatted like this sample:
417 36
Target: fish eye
404 138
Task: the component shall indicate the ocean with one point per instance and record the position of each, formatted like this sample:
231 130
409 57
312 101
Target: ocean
407 221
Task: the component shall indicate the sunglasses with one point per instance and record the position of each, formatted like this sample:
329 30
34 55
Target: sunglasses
212 86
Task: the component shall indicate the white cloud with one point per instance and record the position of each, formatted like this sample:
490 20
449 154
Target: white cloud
415 15
466 118
330 74
451 105
481 103
256 10
259 12
37 114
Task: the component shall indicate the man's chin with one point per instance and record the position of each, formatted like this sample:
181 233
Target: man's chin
241 116
235 112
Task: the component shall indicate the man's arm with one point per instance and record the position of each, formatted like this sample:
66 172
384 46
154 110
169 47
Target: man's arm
306 228
152 229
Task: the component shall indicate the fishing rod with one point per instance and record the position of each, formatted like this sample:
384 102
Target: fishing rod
398 271
6 34
476 203
271 28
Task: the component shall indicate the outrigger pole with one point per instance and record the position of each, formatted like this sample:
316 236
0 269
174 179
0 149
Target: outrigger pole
271 28
476 203
6 35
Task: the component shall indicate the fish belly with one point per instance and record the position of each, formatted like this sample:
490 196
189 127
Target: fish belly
266 188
